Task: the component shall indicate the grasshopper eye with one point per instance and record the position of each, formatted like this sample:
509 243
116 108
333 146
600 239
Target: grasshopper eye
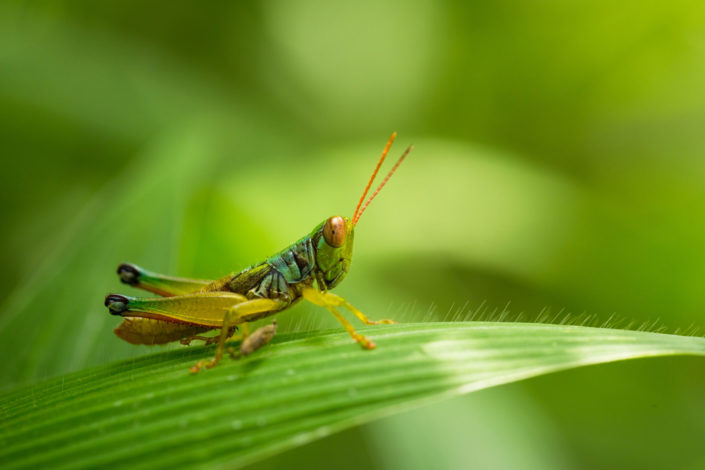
334 231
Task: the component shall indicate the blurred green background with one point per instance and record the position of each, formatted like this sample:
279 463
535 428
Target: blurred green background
558 168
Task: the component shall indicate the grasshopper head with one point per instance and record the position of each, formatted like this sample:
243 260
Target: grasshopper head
333 240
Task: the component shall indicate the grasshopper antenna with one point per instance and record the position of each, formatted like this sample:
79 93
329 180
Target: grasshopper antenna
374 174
358 214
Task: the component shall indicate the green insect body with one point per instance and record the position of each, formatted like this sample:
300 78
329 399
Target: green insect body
186 308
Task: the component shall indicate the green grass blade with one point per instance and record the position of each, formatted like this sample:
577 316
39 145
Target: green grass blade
151 412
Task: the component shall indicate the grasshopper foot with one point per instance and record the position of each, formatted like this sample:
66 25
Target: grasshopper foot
364 341
196 368
116 303
380 322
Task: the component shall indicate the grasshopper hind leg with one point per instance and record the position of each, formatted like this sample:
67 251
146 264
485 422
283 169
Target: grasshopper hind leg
160 284
203 310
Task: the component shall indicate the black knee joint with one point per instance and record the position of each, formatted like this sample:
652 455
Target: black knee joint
116 303
129 274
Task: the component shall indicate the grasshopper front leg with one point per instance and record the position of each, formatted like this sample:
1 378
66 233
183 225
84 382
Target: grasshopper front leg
330 301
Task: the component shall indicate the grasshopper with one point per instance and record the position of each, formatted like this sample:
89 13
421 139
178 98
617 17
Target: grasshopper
187 308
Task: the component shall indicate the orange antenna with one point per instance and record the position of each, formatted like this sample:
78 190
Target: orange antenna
374 174
381 185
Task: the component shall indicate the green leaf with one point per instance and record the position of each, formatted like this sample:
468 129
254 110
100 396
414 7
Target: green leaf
151 412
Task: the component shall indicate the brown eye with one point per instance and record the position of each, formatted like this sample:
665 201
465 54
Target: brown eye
334 231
